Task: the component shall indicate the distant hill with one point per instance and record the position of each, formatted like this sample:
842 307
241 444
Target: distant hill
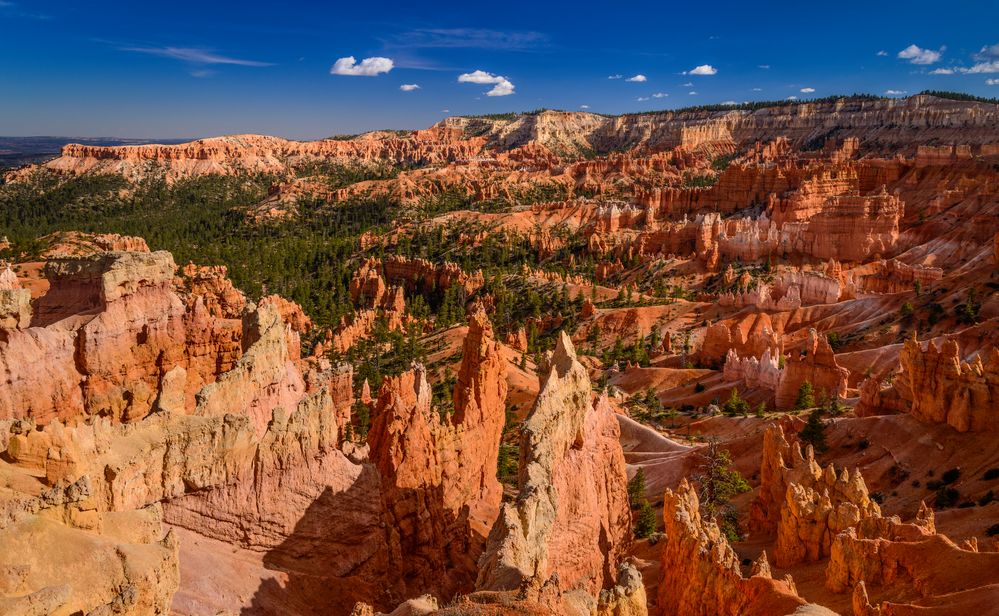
17 151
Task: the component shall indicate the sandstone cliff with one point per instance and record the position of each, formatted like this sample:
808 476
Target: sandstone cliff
576 530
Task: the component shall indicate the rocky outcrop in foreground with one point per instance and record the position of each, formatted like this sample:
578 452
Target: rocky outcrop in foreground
569 526
438 472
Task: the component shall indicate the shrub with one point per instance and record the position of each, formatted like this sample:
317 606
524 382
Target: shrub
698 388
951 475
735 405
987 498
946 498
992 473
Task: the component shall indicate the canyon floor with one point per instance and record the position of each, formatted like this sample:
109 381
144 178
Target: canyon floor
721 361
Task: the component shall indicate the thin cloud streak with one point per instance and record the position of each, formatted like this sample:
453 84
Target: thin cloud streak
194 56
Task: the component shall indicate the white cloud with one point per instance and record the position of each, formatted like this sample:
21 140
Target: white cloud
501 85
704 70
989 52
942 71
917 55
584 106
882 53
730 103
763 66
757 89
792 98
615 76
660 95
982 67
692 93
895 92
808 90
409 87
642 99
369 67
992 82
639 78
445 111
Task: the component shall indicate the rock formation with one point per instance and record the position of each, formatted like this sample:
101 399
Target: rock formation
438 472
940 388
575 530
805 504
15 302
701 573
817 365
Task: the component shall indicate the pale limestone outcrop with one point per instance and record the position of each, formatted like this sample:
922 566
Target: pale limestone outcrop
940 388
264 378
764 372
15 302
561 527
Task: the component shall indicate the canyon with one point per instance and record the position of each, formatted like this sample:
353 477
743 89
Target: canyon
705 362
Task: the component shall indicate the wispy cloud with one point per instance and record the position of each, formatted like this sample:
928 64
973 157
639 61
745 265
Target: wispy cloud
692 93
992 82
584 106
11 9
882 53
368 67
615 76
792 98
468 38
638 78
409 87
703 70
895 92
807 90
501 85
660 95
642 99
194 55
917 55
942 71
763 66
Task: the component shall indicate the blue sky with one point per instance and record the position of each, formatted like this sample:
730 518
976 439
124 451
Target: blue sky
192 69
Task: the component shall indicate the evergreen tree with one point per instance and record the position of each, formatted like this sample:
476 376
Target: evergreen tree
806 397
647 521
636 488
814 431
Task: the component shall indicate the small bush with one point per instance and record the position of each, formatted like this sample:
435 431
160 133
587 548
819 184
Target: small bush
987 498
863 444
993 530
946 498
951 476
698 388
992 473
